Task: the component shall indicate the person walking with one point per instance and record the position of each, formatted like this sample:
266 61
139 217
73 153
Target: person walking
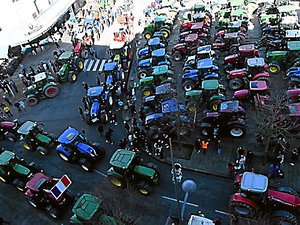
100 129
295 156
108 136
204 146
114 118
17 105
132 109
98 81
85 85
6 98
126 126
242 162
6 109
259 139
198 145
219 148
85 103
22 105
13 85
80 110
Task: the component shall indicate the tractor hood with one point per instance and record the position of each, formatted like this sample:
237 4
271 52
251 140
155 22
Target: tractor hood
145 62
95 108
21 169
231 58
7 125
63 69
86 149
43 138
284 198
145 171
143 51
179 45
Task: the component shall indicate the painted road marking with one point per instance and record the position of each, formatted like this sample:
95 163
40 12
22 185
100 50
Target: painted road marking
85 64
221 212
90 65
102 65
102 174
173 199
96 64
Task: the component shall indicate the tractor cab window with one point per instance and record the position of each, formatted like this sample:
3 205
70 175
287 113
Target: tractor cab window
203 55
157 25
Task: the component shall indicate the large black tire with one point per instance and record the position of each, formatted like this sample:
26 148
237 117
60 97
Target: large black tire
214 105
79 64
32 100
20 185
42 150
280 217
228 67
143 188
235 84
33 203
51 91
84 53
117 181
237 131
72 77
27 146
188 85
177 56
242 209
147 91
234 50
147 35
53 212
165 32
86 165
142 74
64 157
99 149
274 68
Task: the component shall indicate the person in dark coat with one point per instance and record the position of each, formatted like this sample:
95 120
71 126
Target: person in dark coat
108 136
197 145
100 128
126 126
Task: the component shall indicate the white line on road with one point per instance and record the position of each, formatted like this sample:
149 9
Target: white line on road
102 64
102 174
85 64
173 199
90 65
96 64
221 212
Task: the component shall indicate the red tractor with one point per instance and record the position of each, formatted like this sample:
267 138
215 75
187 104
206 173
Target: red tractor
254 197
228 42
49 194
256 70
189 47
83 45
197 18
197 28
239 57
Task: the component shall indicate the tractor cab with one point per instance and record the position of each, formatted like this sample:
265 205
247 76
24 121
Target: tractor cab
231 108
65 57
234 26
159 22
39 80
259 86
254 186
161 73
292 35
112 73
159 56
30 128
119 52
231 38
294 48
210 88
294 110
204 52
239 14
206 66
164 91
256 66
38 184
161 36
155 43
247 51
95 93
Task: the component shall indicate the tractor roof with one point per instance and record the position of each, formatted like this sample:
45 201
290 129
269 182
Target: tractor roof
122 158
287 8
65 55
238 12
246 48
169 106
205 63
199 220
26 127
146 79
256 62
154 41
153 116
159 70
158 52
160 19
229 106
253 182
199 7
86 206
292 33
198 16
6 156
204 48
68 135
210 85
143 170
294 109
37 181
258 85
197 26
276 53
193 93
191 38
116 45
235 24
163 89
231 35
38 77
293 45
109 66
94 91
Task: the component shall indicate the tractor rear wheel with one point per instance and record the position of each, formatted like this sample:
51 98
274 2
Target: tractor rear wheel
233 50
116 181
51 91
147 91
144 189
242 209
84 53
274 68
72 77
165 32
79 64
177 56
282 217
27 146
32 100
214 105
188 85
42 150
142 74
20 185
237 131
235 84
86 165
53 212
147 35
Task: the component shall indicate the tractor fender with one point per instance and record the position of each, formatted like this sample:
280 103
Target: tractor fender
62 149
237 197
180 48
232 59
211 76
259 75
283 198
217 97
49 84
111 171
239 121
189 76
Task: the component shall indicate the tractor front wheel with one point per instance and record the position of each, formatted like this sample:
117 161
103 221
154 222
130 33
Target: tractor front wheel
280 217
188 85
53 212
11 137
147 35
165 32
86 165
142 74
116 181
27 146
177 56
274 68
32 100
144 189
51 91
42 150
72 77
237 131
147 91
242 209
214 105
235 84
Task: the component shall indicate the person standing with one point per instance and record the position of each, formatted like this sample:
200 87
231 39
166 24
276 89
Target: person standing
17 105
80 110
13 85
126 126
6 109
108 136
295 156
98 81
6 98
100 129
132 109
85 85
204 146
198 145
219 148
22 105
242 162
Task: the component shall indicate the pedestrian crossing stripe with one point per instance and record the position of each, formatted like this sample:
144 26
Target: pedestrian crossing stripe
94 65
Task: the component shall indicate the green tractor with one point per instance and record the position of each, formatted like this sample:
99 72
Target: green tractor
160 23
34 138
16 171
127 169
280 60
87 210
71 66
43 86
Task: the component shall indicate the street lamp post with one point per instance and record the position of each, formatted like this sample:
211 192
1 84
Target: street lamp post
188 186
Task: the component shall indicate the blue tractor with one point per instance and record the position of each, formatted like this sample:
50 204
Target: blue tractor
152 45
97 100
113 74
74 147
